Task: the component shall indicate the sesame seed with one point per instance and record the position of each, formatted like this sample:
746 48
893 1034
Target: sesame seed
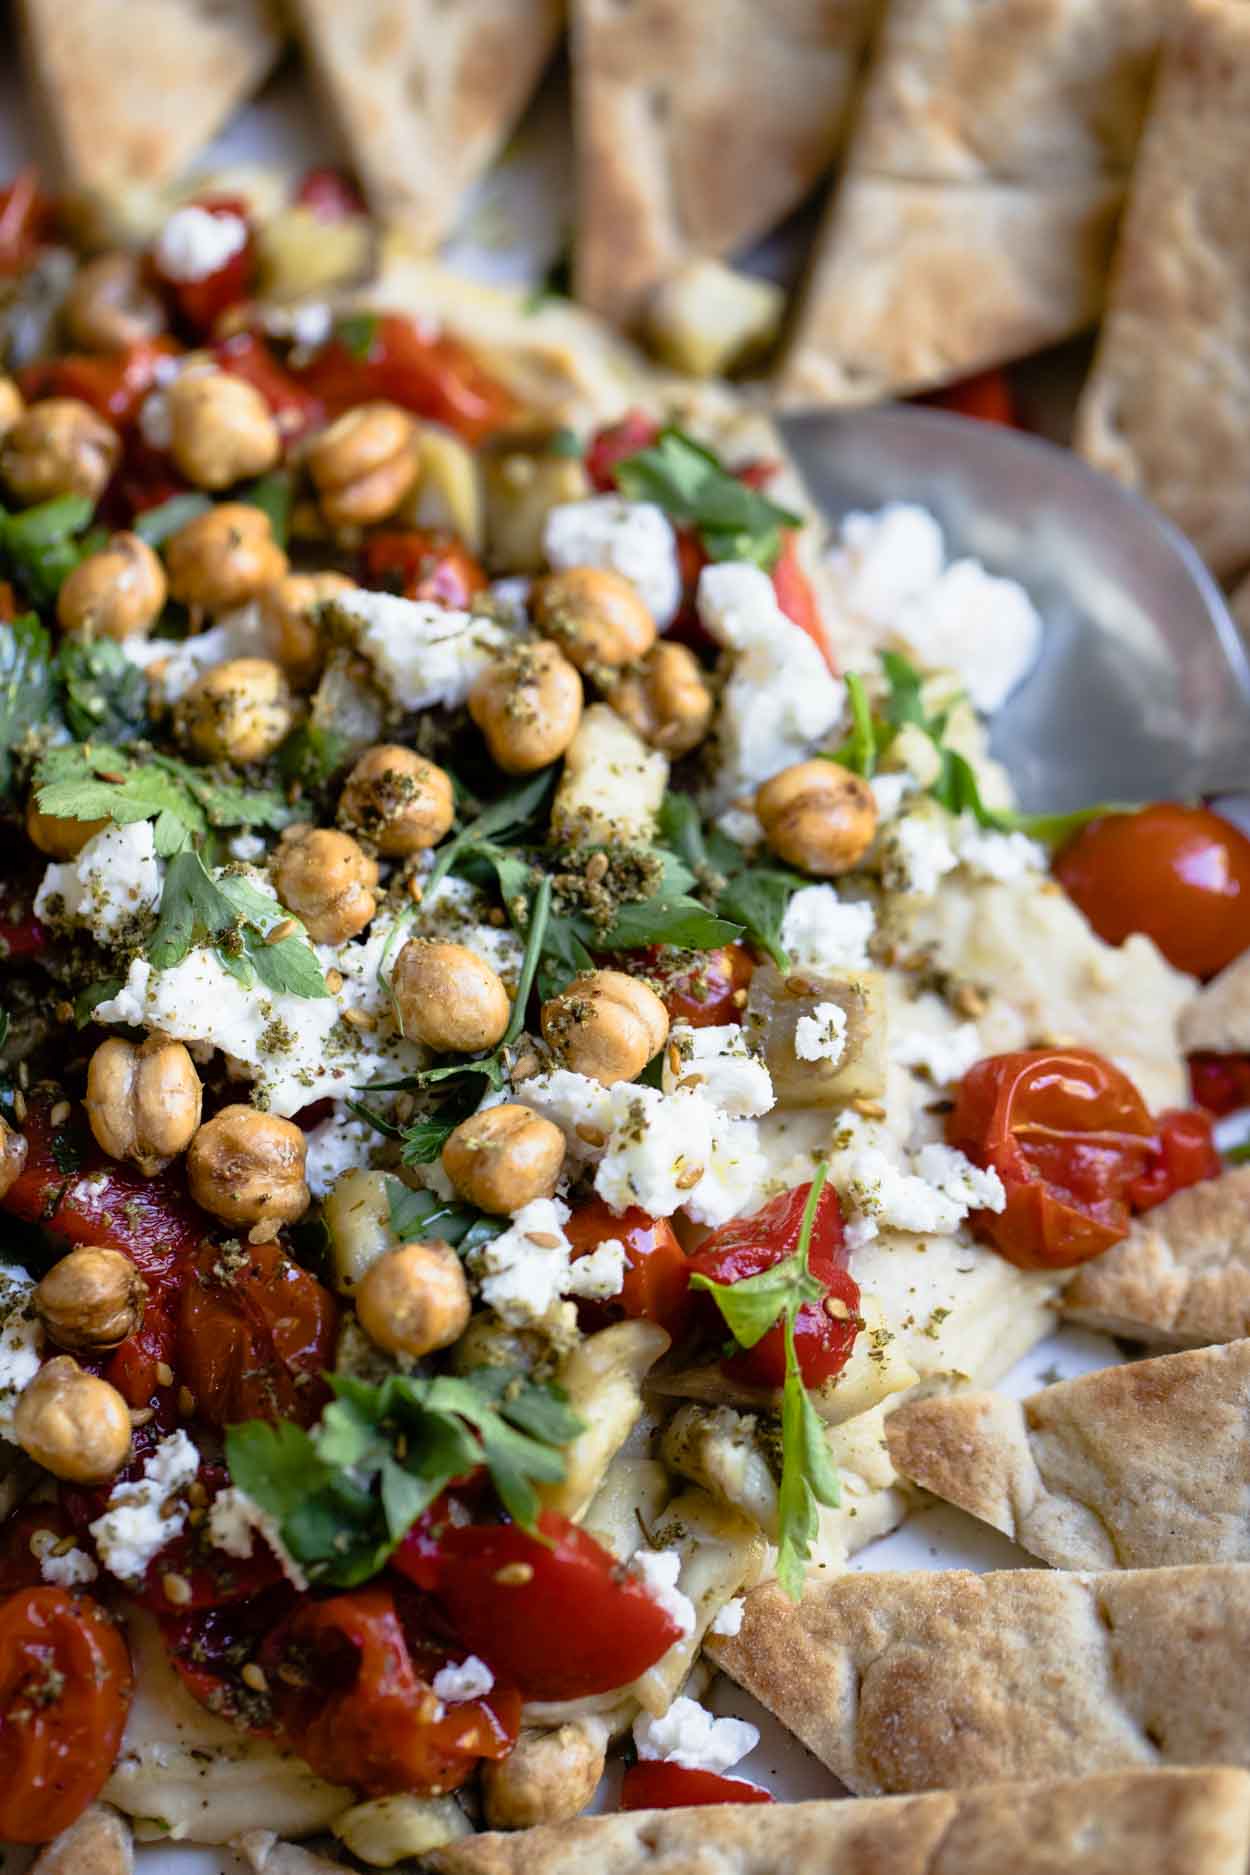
416 891
60 1113
542 1240
690 1177
142 1415
186 1406
164 1374
359 1019
177 1589
334 981
254 1676
869 1109
280 932
836 1309
64 1012
514 1575
590 1135
19 1105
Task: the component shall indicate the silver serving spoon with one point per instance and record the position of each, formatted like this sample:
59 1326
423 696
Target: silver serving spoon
1142 691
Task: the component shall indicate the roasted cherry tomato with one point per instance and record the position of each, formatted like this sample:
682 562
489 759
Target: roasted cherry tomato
1068 1135
612 445
422 563
114 383
1220 1083
824 1332
397 359
255 1335
1180 874
19 1563
987 396
210 1646
353 1692
200 303
1184 1154
26 217
210 1576
796 597
65 1686
707 989
657 1269
419 1558
145 479
653 1785
330 195
249 355
563 1621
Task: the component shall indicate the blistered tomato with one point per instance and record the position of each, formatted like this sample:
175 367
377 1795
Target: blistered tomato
653 1785
657 1270
707 989
422 563
255 1334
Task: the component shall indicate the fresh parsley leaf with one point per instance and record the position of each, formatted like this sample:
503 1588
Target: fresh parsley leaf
310 756
87 1001
859 751
758 898
41 545
904 703
514 812
680 920
681 830
98 781
357 333
236 919
417 1215
273 494
26 688
157 525
1238 1155
103 693
734 522
752 897
958 791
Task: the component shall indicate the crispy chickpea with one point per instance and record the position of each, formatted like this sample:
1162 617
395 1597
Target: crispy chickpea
528 705
224 558
238 711
547 1777
606 1025
247 1167
75 1426
501 1159
597 617
143 1100
11 405
289 612
60 838
109 307
92 1299
818 816
12 1156
221 429
666 699
397 800
58 447
116 593
449 998
364 464
414 1299
327 880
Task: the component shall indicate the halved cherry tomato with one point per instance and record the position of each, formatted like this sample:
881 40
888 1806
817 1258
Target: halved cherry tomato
432 375
211 1577
657 1269
353 1692
200 303
824 1332
707 989
419 1558
1068 1135
564 1621
330 195
249 355
65 1686
1220 1083
1180 874
653 1785
25 221
1184 1155
796 597
19 1565
422 563
255 1334
113 383
210 1646
987 396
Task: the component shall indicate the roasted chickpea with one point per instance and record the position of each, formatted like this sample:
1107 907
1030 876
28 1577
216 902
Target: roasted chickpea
109 306
247 1167
238 711
666 699
75 1426
58 447
397 800
606 1025
60 838
414 1299
221 429
501 1159
116 593
143 1100
449 998
327 880
818 816
528 705
224 558
547 1777
12 1156
92 1299
11 405
364 464
289 612
597 617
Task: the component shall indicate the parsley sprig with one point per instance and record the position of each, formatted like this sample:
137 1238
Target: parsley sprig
808 1475
752 898
43 544
239 921
695 489
97 781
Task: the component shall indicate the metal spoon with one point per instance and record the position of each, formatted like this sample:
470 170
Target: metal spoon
1142 691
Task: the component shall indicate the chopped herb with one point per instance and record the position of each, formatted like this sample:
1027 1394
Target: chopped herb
753 897
859 751
97 781
418 1215
66 1153
88 1001
566 443
311 756
235 918
103 693
157 525
273 494
41 545
694 488
357 333
1238 1155
26 688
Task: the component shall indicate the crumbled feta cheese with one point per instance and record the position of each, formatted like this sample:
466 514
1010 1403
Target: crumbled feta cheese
822 1035
885 559
524 1271
472 1679
728 1620
660 1147
918 853
423 654
114 880
600 1275
66 1569
720 1062
612 785
1003 856
954 1175
21 1338
985 629
235 1519
195 242
511 598
659 1570
943 1057
580 1107
456 913
688 1734
632 538
933 1198
246 847
146 1513
310 325
820 932
742 826
888 792
340 1144
736 1169
176 663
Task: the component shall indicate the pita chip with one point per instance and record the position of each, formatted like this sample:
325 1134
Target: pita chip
1218 1017
1167 406
425 93
1152 1822
1181 1278
1128 1468
700 124
98 1843
977 213
134 89
936 1680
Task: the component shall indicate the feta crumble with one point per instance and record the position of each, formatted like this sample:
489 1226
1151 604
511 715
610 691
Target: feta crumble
885 559
728 1620
658 1570
735 1172
144 1514
659 1149
472 1679
523 1271
932 1199
600 1275
688 1734
1002 856
423 654
578 1105
65 1569
943 1057
822 1035
918 853
340 1144
821 932
195 243
114 880
719 1061
235 1519
888 791
632 538
174 664
21 1339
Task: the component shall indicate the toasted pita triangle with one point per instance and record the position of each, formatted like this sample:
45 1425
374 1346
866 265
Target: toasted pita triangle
700 124
904 1682
425 92
133 89
1149 1822
1130 1467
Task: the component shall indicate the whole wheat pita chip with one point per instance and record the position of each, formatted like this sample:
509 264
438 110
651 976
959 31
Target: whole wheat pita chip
99 1843
425 93
1167 406
1218 1018
904 1682
1151 1822
1128 1468
700 124
1181 1278
133 89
